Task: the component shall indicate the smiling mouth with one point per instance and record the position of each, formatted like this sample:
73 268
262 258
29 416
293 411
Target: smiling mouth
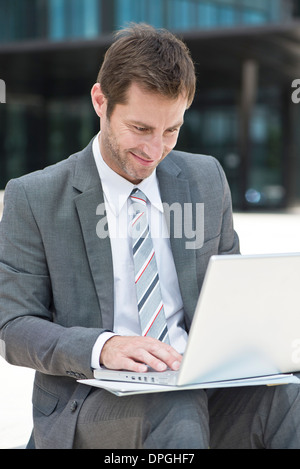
141 160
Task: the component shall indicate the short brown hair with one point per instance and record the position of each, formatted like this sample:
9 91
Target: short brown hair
153 58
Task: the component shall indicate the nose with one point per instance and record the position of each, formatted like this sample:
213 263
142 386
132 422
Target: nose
154 148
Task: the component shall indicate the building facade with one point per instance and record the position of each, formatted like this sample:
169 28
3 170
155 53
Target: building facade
246 111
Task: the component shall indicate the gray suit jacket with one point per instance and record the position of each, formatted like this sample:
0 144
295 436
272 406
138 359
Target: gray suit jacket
56 275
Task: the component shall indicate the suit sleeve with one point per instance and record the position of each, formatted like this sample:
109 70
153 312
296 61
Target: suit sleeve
29 335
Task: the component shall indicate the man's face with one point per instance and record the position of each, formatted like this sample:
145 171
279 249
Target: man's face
140 133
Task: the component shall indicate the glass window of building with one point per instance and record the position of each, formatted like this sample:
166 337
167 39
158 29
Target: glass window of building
191 14
21 19
63 19
139 11
74 18
258 176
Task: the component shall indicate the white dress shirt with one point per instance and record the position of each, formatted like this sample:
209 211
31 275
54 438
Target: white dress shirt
126 319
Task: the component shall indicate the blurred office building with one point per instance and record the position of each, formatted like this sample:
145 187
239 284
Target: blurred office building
246 112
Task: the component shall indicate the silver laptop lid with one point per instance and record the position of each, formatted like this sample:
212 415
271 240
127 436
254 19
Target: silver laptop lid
247 320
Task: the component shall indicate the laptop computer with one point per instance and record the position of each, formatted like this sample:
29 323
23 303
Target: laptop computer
246 324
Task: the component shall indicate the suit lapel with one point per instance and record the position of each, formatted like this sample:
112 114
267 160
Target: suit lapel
176 190
90 208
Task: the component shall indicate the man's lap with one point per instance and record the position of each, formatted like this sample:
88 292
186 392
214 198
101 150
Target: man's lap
160 420
250 417
255 417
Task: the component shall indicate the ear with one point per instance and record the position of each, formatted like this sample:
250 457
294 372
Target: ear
99 100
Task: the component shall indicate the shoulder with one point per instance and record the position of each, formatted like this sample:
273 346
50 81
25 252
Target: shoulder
56 173
193 166
51 189
55 178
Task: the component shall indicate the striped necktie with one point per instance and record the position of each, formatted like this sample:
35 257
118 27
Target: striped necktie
150 305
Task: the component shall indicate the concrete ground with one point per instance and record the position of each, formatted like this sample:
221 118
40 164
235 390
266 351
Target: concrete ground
259 233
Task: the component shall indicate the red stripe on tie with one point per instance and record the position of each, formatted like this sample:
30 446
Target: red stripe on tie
142 213
138 198
145 268
153 320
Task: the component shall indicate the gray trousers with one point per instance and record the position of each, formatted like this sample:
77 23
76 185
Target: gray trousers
250 417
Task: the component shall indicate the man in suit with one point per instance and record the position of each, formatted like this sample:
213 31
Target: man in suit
68 302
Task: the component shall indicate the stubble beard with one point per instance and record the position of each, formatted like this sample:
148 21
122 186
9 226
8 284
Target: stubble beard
119 160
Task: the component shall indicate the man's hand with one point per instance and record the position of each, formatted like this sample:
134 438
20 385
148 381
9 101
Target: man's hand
137 353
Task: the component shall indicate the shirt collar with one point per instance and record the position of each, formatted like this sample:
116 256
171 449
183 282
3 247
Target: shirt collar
117 189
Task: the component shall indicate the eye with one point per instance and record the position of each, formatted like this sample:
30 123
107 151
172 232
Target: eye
140 129
173 131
